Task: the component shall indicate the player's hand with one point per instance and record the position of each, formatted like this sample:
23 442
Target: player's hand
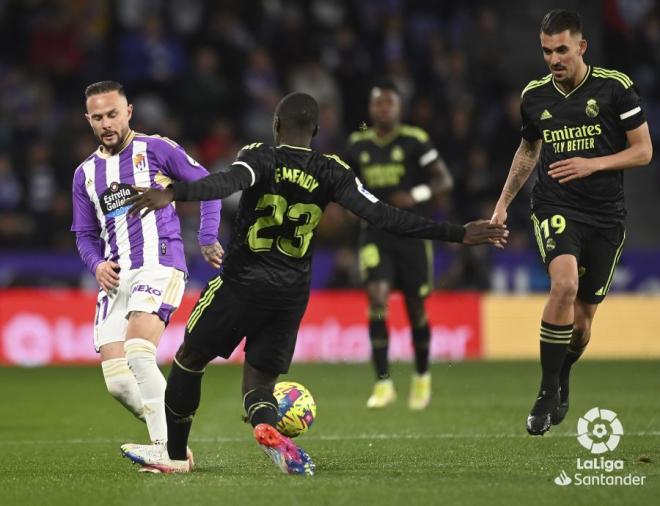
572 168
499 218
213 253
149 199
402 199
485 232
107 275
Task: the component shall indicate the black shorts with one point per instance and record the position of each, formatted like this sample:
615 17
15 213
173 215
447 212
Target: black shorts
405 263
221 318
597 249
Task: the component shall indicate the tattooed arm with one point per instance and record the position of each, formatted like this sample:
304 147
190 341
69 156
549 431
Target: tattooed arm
523 163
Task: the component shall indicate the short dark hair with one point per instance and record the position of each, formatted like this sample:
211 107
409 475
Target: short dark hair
386 83
104 87
298 111
559 20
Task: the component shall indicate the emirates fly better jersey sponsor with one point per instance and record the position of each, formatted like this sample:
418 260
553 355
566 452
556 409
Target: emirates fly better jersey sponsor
589 121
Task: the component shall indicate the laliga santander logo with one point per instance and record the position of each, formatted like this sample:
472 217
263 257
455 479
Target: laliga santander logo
599 430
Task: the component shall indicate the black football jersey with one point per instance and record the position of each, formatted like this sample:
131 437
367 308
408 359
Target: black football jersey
393 163
589 121
285 190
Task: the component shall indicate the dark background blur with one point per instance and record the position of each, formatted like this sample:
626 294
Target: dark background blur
209 73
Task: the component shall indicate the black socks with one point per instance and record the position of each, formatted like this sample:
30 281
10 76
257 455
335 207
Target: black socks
379 346
421 338
554 342
184 389
260 406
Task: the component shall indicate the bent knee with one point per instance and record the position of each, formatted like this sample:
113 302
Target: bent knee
378 303
191 358
378 292
564 289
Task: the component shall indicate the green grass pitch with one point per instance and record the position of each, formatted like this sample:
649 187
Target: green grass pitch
60 434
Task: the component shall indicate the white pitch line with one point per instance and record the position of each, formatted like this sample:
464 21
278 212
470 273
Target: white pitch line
350 437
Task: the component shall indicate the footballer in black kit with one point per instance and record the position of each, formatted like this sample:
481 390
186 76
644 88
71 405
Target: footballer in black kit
267 266
262 291
400 166
386 167
583 217
582 126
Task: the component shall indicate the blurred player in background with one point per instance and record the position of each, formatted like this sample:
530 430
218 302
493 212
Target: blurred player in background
581 126
264 287
399 165
138 262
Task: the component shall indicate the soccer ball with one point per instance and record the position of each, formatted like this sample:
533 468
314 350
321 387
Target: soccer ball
296 408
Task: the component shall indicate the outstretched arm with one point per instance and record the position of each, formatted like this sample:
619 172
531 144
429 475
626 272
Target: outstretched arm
354 197
522 165
178 165
215 186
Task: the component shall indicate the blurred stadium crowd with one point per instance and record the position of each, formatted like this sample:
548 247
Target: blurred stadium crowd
209 73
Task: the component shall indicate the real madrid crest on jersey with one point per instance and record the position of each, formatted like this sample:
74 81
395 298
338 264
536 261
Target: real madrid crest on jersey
364 157
592 108
397 154
550 244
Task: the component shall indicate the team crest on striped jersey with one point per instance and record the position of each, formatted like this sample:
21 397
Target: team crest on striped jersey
139 161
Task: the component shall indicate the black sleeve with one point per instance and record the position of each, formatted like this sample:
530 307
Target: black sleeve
349 193
425 152
529 130
350 156
628 105
215 186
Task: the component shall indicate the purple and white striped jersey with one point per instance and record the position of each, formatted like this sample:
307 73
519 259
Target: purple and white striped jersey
101 186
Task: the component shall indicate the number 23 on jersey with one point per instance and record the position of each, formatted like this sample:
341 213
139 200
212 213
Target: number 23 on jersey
296 246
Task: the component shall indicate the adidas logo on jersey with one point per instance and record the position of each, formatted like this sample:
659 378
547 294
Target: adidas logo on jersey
546 114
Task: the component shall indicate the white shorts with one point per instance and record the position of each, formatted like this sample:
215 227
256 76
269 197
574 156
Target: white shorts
155 289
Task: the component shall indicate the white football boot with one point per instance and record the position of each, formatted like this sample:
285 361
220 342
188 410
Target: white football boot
153 458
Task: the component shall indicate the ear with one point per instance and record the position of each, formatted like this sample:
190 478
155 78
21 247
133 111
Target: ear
583 47
130 111
276 123
316 130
